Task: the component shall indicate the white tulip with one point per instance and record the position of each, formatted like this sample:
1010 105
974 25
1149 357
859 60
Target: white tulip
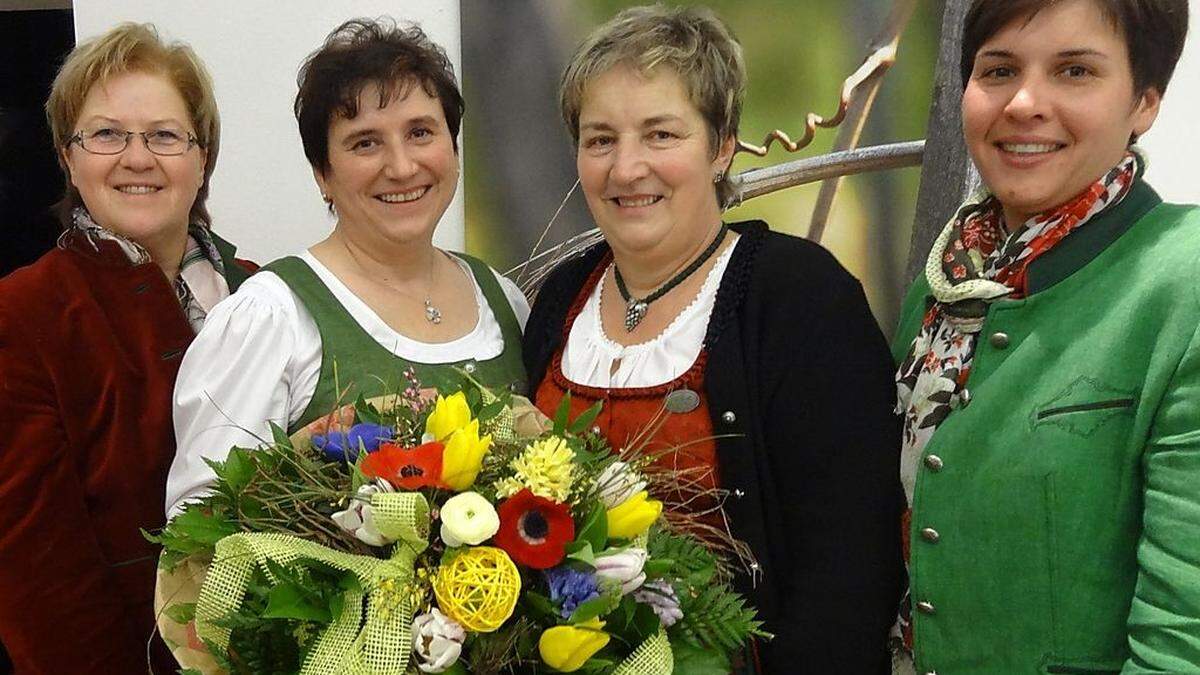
617 483
437 641
623 567
358 518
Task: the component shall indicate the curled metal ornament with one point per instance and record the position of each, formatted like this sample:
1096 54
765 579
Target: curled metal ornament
878 61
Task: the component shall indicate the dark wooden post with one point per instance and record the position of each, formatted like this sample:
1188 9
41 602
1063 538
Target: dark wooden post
947 174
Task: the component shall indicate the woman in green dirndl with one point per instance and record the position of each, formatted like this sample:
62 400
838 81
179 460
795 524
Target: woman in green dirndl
374 306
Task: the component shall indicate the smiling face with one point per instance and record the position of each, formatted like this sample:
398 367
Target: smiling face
1050 107
392 170
135 193
645 163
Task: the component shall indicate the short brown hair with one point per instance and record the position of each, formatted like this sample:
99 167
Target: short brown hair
127 48
692 41
1154 32
370 51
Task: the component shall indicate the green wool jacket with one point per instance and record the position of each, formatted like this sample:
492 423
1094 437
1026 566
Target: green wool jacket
1056 514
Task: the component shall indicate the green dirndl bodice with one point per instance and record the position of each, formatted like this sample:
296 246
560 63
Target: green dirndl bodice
353 364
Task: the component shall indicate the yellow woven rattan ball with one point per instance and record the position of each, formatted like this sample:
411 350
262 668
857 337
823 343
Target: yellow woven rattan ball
478 588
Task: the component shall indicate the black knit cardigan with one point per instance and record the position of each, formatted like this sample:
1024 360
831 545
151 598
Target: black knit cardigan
800 391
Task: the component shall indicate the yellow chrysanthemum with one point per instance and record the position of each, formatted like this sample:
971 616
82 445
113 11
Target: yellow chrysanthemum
546 467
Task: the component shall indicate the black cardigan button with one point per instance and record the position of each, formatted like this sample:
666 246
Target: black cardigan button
728 417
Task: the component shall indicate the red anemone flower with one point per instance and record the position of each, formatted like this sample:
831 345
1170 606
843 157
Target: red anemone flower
406 468
534 531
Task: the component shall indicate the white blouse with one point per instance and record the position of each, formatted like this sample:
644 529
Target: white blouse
258 358
593 360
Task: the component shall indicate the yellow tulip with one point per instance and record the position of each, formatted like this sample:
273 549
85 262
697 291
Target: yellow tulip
449 415
567 648
633 516
463 456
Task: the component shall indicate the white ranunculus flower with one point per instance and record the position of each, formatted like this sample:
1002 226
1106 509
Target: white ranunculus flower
623 567
617 483
437 641
358 518
468 518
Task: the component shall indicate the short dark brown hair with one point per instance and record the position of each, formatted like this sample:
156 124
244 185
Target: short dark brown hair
361 52
1154 32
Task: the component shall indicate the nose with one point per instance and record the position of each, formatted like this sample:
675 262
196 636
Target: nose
399 163
136 156
1029 101
629 163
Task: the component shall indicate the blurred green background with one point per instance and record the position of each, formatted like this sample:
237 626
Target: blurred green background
520 164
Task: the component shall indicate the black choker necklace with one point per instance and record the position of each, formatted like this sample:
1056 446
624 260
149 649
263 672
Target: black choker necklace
635 308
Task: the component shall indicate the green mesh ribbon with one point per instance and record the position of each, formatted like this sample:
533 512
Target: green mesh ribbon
380 644
652 657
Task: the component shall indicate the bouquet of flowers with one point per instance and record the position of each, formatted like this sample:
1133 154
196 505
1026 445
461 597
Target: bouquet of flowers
462 533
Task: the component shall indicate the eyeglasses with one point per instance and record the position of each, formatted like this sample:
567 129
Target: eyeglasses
163 142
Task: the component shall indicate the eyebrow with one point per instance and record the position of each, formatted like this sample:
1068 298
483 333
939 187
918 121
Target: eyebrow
648 122
1066 53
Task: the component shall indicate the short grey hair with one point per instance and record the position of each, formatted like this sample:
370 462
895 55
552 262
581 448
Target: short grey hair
692 41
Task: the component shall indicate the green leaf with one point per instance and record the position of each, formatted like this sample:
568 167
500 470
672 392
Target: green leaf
201 527
645 622
182 612
474 398
560 415
658 568
290 601
695 660
490 410
595 528
337 602
581 551
457 669
350 583
365 412
188 671
590 609
237 470
539 605
585 419
279 436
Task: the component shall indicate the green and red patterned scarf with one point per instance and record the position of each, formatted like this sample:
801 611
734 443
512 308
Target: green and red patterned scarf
974 262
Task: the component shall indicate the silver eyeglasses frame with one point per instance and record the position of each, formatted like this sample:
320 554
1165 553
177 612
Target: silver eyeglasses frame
81 138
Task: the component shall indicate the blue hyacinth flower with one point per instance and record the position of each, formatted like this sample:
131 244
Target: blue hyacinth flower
340 446
571 588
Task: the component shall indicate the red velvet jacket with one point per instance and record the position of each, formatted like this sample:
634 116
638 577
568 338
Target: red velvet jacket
89 349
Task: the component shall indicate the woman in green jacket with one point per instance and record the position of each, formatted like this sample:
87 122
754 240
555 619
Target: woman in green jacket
1050 362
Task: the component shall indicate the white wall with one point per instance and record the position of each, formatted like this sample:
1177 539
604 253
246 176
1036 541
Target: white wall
263 196
1173 144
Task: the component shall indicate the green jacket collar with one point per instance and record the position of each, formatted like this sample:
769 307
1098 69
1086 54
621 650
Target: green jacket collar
235 274
1084 244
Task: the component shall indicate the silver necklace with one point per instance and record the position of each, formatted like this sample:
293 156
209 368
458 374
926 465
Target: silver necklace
432 313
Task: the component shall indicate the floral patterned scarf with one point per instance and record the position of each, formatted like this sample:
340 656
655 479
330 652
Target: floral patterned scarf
973 263
200 283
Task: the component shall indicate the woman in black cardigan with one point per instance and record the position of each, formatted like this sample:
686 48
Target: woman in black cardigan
758 340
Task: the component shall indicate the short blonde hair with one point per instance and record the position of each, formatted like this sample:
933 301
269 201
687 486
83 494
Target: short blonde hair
132 47
692 41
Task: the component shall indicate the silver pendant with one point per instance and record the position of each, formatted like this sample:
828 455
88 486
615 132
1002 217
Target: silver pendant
432 314
682 401
635 311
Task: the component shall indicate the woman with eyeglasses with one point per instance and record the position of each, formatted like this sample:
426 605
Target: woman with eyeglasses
91 337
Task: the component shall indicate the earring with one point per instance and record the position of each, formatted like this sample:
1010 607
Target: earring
326 198
718 176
